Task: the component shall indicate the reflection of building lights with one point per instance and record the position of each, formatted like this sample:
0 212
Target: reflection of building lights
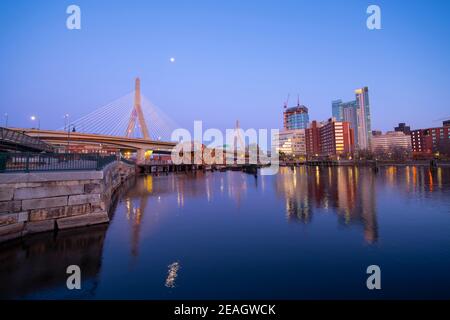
172 274
128 206
180 200
148 181
430 177
407 176
439 177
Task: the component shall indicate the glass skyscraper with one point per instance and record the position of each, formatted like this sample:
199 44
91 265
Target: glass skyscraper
363 118
296 118
337 110
357 113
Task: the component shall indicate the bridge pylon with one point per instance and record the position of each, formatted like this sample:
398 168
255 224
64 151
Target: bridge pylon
137 114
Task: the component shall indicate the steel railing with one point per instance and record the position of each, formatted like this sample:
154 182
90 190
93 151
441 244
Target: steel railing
32 162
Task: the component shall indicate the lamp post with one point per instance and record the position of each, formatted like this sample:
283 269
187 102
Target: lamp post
66 120
34 118
69 126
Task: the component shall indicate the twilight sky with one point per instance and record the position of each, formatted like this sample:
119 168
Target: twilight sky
234 59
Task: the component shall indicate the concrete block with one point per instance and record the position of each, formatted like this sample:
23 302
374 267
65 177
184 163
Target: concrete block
93 188
84 198
47 192
11 228
10 206
76 210
50 176
81 221
44 203
22 216
100 206
48 213
8 218
6 193
39 226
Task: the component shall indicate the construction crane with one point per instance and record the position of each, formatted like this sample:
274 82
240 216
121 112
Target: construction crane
286 103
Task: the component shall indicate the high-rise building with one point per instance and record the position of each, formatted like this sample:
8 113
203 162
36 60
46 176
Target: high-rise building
296 117
390 140
357 114
349 115
363 118
331 139
336 139
402 127
337 110
312 137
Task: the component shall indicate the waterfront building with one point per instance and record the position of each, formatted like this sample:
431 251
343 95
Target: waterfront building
427 143
357 114
376 133
292 143
402 127
336 139
337 110
312 137
390 140
363 118
331 139
296 117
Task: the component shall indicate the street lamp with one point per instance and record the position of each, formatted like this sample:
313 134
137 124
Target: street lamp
34 118
69 126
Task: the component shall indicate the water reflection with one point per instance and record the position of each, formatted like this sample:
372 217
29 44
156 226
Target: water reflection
161 221
351 191
39 262
348 191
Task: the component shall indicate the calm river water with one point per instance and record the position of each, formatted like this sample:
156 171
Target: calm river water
307 233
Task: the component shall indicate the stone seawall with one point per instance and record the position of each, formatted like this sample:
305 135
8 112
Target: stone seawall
45 201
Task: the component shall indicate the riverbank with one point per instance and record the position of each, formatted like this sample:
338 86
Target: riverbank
46 201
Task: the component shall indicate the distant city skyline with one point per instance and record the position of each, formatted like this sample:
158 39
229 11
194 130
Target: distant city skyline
222 61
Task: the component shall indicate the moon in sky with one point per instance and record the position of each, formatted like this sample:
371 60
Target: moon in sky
172 60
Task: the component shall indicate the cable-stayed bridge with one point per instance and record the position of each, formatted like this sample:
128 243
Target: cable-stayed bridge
132 116
130 123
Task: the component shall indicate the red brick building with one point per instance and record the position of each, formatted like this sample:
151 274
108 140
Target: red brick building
312 138
330 140
431 142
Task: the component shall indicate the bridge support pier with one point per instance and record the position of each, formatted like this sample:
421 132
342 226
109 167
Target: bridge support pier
140 157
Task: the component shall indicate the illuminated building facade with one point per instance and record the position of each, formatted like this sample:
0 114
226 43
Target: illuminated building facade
357 114
390 140
292 142
312 137
331 139
336 139
428 143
